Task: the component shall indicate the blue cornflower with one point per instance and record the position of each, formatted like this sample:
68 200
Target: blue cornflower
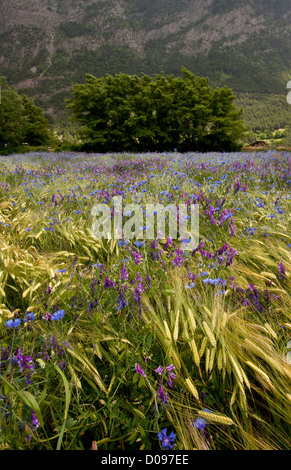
251 230
13 323
97 265
166 440
200 423
57 315
123 242
29 317
190 286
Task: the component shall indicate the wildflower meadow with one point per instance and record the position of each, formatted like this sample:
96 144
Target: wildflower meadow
139 344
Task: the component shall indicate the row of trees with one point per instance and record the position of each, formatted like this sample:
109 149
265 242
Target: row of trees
21 121
131 113
157 113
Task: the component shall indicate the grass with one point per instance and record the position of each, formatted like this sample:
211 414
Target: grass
105 343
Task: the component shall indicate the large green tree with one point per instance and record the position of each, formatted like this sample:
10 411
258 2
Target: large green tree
155 113
12 118
20 119
37 132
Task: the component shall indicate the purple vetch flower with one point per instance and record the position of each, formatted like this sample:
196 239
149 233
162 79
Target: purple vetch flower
54 199
164 398
139 289
237 186
124 273
101 268
168 242
149 282
170 381
108 284
33 426
159 370
154 244
25 364
282 270
137 257
139 370
167 441
62 364
48 290
199 247
212 219
138 278
121 300
207 254
178 261
171 374
34 421
225 215
224 248
47 316
5 354
155 256
137 293
232 228
93 285
58 350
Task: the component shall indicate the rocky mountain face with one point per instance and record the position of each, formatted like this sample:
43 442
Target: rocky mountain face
47 45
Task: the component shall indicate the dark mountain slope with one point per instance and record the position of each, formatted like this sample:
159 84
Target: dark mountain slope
49 45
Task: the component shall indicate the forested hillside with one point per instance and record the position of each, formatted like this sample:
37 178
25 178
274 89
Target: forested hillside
47 47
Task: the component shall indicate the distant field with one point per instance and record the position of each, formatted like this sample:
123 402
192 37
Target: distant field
140 344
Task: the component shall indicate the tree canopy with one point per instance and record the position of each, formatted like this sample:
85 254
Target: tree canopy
20 119
159 113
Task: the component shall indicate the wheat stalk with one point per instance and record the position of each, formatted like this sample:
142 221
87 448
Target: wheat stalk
209 416
209 334
203 346
176 328
192 388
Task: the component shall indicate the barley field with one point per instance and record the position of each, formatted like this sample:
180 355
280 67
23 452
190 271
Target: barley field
117 344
